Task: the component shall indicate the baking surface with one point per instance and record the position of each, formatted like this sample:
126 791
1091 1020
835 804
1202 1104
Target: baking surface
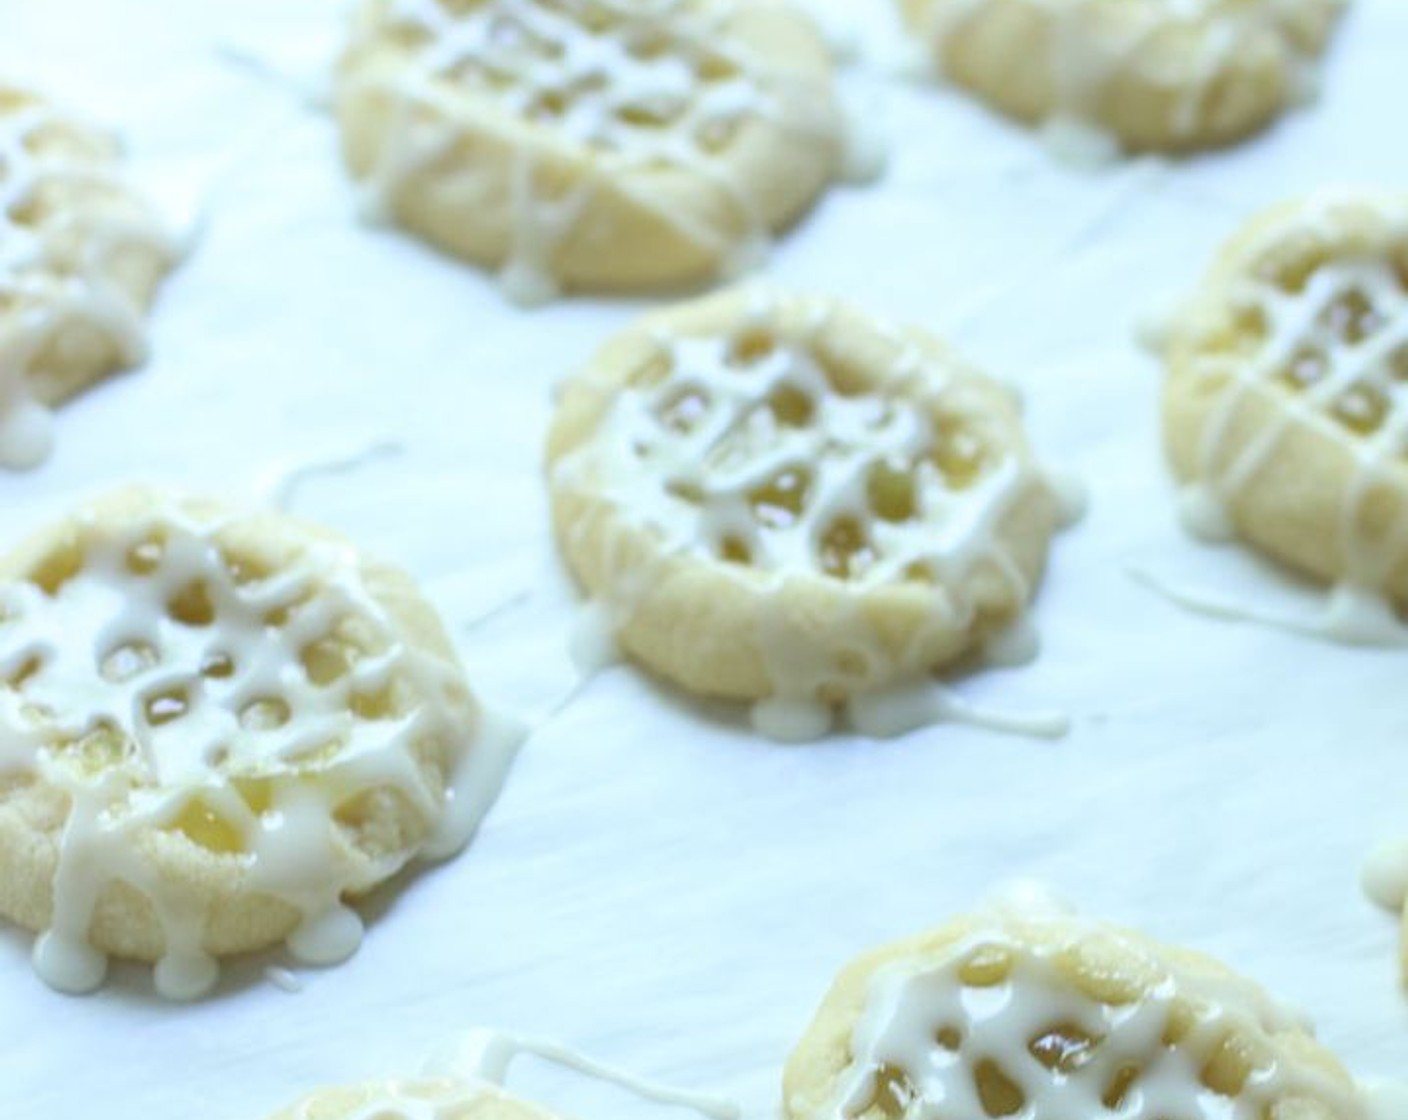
657 886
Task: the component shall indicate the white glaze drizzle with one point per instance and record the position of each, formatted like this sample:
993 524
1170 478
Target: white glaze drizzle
1089 49
1349 615
141 719
930 1030
487 1055
701 456
43 294
1340 367
657 84
284 979
280 485
475 1070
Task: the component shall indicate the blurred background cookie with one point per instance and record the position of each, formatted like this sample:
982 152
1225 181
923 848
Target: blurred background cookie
591 146
1147 74
81 254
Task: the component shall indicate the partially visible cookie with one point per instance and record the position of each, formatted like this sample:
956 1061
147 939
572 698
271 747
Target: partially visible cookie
781 499
413 1100
1151 74
80 258
1286 403
216 728
1038 1015
591 144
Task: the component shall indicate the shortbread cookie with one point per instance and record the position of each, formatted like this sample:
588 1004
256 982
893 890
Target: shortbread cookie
590 144
80 258
467 1084
217 728
781 499
1046 1016
1151 74
413 1100
1286 406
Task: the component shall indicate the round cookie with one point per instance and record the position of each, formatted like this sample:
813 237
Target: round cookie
1150 74
1043 1015
590 144
1286 401
413 1100
217 728
780 499
80 258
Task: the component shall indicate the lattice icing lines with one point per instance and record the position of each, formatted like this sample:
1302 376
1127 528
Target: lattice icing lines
1031 1012
1003 1032
753 458
606 95
856 527
66 219
1340 343
643 81
244 742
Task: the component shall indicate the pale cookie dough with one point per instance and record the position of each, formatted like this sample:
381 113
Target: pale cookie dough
780 499
1163 75
1046 1017
1286 403
215 729
80 258
591 144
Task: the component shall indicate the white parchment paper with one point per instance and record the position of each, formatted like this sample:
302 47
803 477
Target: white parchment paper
657 886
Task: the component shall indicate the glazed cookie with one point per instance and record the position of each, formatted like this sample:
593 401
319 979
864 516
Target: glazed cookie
1286 404
413 1100
1148 74
467 1084
1043 1015
591 144
217 728
780 499
80 258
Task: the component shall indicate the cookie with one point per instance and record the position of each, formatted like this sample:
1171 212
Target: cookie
466 1083
81 255
781 499
218 727
590 144
413 1100
1286 401
1035 1014
1149 74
